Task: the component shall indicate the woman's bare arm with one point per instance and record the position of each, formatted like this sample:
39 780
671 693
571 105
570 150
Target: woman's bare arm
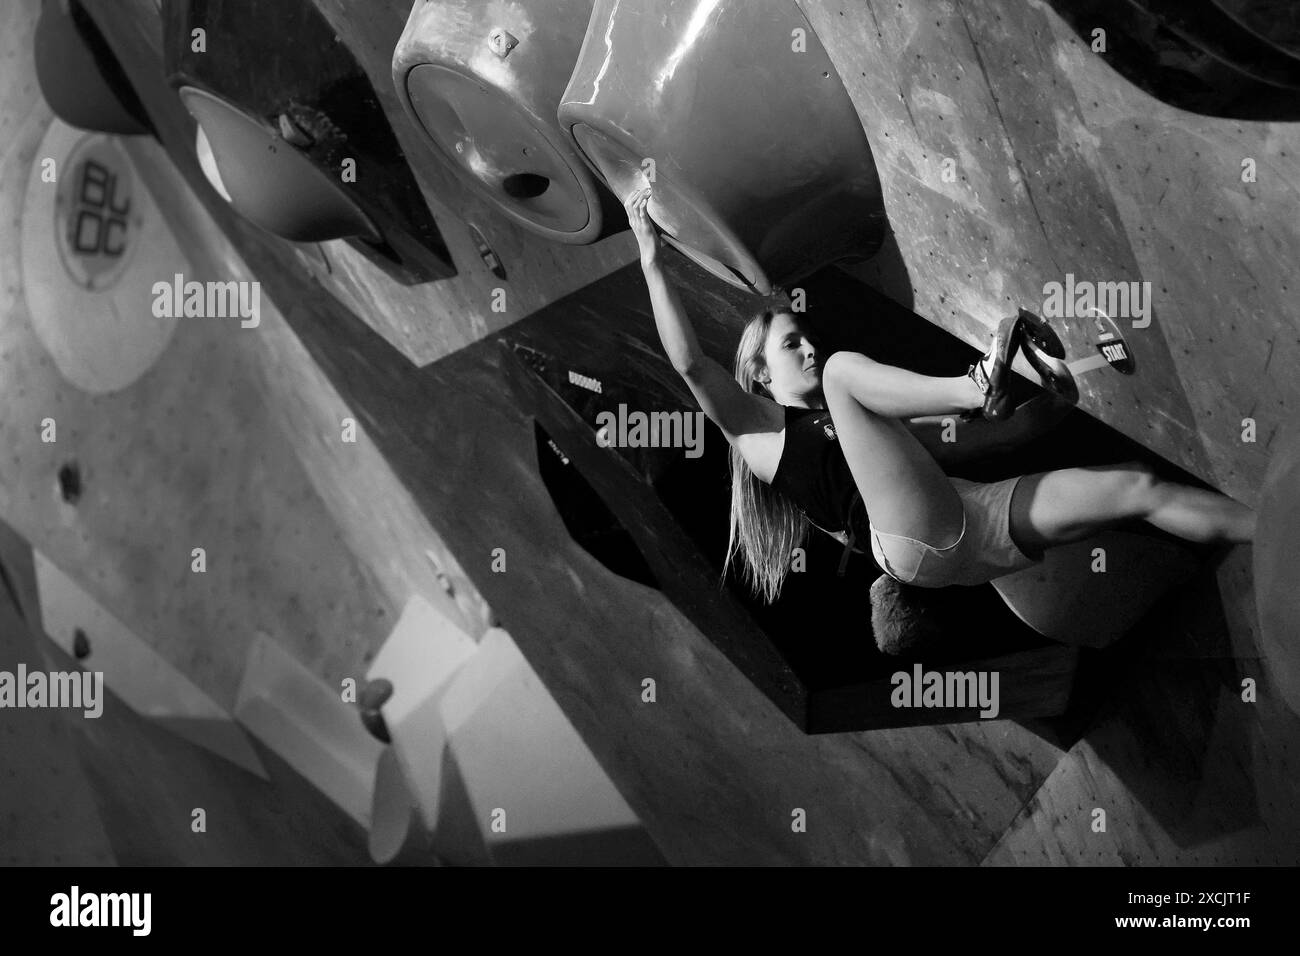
722 399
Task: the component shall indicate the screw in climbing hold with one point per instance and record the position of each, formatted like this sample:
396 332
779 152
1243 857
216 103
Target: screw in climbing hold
501 41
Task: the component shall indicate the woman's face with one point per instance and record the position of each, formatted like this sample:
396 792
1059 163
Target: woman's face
794 366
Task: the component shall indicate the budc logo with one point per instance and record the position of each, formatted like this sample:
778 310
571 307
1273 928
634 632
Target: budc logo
99 226
96 219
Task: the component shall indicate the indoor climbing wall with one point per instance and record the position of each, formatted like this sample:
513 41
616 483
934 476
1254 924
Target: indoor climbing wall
1004 155
466 454
1182 772
132 479
47 810
1012 156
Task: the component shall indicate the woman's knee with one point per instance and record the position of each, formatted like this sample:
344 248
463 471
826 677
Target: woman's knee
840 366
1136 489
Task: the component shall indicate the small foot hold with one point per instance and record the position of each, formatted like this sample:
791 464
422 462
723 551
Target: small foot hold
1044 351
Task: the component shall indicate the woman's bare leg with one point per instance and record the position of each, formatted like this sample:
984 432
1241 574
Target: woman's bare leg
904 489
1059 507
897 393
907 493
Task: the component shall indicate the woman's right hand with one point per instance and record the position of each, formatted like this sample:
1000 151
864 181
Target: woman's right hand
643 226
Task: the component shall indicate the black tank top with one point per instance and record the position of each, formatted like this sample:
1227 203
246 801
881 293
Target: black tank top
814 474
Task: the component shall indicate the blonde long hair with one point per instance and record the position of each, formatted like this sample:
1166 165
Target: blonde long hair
765 526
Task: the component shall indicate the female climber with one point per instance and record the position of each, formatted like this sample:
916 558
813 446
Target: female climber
820 440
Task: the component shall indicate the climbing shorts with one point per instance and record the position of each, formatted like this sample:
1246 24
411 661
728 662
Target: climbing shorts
984 550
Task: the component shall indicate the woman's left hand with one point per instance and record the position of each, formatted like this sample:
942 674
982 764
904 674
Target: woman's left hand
643 226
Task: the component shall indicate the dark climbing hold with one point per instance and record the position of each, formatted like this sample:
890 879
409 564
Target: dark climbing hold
902 619
373 721
80 77
375 694
373 697
70 482
80 645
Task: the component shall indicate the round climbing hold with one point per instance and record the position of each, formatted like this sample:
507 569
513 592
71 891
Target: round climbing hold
80 78
483 82
269 181
761 175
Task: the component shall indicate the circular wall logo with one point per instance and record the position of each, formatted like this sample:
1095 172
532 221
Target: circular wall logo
96 213
92 246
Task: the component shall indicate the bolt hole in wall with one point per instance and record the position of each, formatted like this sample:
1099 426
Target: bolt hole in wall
80 644
69 478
